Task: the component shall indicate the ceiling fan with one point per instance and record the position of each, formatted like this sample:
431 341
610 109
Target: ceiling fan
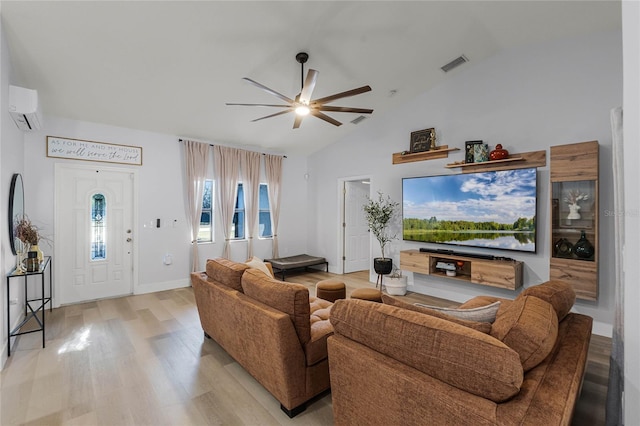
303 105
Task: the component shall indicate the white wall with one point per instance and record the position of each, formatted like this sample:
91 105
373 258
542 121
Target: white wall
161 195
631 41
527 99
11 161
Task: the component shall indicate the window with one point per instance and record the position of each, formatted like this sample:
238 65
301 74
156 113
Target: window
237 227
98 227
264 218
205 231
264 214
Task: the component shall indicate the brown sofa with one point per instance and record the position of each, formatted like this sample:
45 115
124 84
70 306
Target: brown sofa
394 365
275 330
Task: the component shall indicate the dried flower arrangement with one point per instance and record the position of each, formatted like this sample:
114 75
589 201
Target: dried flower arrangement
27 232
574 196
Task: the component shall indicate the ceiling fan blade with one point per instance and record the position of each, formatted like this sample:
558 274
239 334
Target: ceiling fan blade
273 115
325 117
261 105
344 109
346 94
309 85
271 91
297 121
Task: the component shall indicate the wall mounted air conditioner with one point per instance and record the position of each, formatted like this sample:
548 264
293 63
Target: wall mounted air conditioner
24 108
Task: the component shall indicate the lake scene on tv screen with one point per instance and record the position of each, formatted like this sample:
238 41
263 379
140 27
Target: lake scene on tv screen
494 210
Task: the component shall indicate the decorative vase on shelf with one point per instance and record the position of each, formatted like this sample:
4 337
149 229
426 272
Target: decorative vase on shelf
583 248
40 253
563 248
499 153
574 211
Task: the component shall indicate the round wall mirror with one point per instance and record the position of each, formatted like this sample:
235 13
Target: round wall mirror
16 209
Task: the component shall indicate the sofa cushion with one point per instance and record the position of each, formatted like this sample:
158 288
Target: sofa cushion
484 327
258 264
487 300
290 298
316 348
226 272
530 327
558 293
447 351
480 314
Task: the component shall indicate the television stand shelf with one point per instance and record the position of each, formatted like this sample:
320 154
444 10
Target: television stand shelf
492 272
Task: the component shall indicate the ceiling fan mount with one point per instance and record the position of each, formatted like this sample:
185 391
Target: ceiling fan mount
302 104
302 57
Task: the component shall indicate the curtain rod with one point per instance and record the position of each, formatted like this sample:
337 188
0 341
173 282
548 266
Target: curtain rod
182 140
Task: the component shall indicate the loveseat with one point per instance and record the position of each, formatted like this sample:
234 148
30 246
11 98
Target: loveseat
274 330
397 364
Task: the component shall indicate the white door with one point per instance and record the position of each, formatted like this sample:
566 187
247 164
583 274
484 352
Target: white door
356 231
94 232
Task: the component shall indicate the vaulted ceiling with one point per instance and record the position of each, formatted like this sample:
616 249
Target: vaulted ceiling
170 66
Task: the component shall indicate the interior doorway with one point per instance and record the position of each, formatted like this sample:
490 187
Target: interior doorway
356 239
95 231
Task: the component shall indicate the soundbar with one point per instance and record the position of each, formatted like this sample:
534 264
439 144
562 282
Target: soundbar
454 253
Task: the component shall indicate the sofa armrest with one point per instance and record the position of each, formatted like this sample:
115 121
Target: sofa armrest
433 346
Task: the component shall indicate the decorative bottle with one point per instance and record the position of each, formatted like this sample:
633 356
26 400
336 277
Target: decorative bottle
583 249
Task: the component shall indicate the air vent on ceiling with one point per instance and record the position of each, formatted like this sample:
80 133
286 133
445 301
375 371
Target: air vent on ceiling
358 119
455 63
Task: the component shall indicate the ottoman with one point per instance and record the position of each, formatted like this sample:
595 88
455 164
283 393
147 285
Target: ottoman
331 290
370 294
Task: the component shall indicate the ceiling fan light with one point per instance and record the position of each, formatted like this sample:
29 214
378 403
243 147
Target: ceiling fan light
302 110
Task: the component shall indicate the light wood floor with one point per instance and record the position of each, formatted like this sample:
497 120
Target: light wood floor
142 360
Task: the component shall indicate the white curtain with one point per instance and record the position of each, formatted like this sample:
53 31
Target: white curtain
616 362
227 164
273 172
251 186
196 159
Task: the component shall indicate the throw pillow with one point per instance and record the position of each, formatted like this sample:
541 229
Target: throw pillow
483 327
258 264
559 293
480 314
226 272
290 298
530 327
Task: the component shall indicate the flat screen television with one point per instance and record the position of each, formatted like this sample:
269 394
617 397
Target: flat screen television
492 210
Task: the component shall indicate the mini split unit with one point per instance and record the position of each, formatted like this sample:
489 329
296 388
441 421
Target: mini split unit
24 108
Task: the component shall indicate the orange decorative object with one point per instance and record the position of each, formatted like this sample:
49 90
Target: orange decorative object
499 153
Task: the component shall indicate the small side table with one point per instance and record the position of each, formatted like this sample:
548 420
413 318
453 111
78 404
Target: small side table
31 306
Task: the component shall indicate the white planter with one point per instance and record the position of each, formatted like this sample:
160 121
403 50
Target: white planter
396 286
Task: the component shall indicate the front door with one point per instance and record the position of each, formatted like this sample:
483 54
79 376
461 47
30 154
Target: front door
94 232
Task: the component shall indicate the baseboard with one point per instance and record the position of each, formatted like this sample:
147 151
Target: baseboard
161 286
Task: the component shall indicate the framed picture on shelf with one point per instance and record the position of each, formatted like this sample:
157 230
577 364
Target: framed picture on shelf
469 148
421 140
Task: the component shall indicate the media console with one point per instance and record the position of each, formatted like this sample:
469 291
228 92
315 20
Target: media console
472 268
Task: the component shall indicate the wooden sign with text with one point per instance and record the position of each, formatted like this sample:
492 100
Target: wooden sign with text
77 149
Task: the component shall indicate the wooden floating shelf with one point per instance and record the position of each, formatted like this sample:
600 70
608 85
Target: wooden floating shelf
484 163
442 152
517 161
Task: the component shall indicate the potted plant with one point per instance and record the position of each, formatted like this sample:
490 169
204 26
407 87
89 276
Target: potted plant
378 214
396 283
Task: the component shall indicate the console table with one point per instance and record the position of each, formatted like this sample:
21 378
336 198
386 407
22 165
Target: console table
33 306
503 273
